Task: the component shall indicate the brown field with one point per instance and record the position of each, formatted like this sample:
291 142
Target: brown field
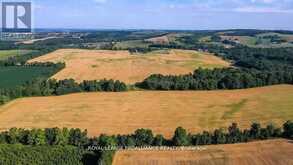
163 112
159 40
288 38
120 65
271 152
166 39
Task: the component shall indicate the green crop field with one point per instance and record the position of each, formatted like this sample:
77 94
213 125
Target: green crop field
4 54
16 75
131 44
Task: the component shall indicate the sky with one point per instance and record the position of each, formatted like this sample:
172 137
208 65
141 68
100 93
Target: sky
163 14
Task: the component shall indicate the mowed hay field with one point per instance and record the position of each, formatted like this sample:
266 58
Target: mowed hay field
163 112
159 40
121 65
271 152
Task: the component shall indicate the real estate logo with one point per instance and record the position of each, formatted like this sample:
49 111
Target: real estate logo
16 17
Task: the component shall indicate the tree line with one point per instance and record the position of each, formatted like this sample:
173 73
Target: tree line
55 145
43 87
226 78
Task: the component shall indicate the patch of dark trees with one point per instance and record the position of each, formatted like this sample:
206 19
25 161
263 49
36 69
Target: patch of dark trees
253 32
43 87
141 50
7 45
206 79
267 59
116 36
73 146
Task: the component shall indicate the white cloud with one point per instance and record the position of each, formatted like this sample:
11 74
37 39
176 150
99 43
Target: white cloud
100 1
261 10
249 6
263 1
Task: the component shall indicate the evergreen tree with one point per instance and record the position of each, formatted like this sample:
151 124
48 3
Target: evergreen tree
288 129
159 140
180 137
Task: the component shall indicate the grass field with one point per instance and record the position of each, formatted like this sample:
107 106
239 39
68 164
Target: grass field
12 76
271 152
163 112
121 65
4 54
245 40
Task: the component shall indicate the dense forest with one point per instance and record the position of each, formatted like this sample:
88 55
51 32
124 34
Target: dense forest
206 79
73 146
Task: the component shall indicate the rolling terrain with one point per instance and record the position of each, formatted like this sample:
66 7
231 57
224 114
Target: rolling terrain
121 113
271 152
263 40
121 65
163 112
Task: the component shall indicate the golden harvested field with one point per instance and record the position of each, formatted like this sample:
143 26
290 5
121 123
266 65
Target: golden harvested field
121 65
271 152
163 112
